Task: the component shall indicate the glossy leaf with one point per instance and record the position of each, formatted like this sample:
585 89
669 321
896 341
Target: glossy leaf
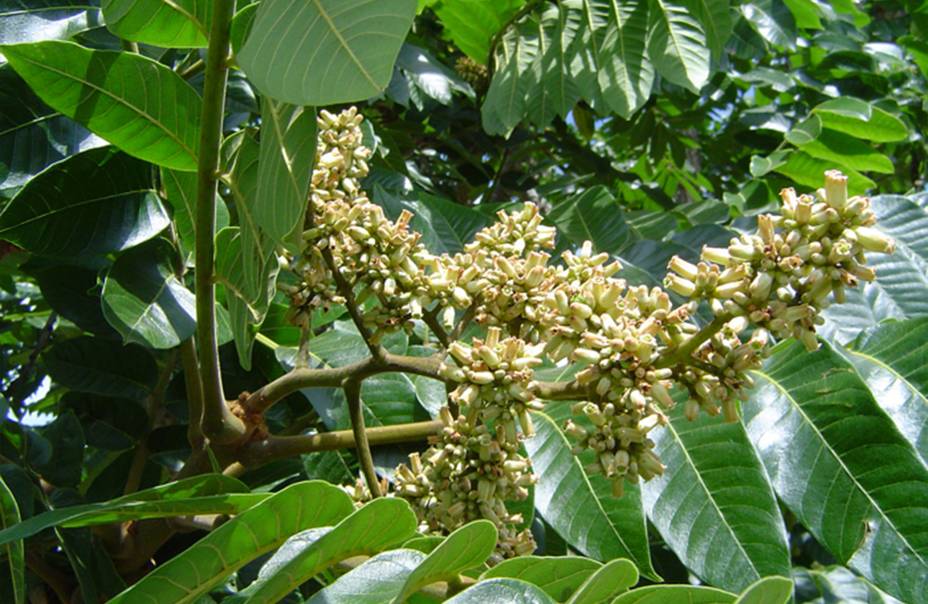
132 101
568 501
286 156
593 215
677 45
376 526
769 590
175 24
670 594
558 576
206 494
145 301
773 21
846 151
715 18
103 367
471 24
861 119
606 583
465 548
902 277
34 21
325 51
13 549
511 591
847 473
714 506
376 581
891 359
90 204
807 171
259 530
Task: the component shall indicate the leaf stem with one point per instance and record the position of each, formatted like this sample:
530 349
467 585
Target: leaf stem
356 412
218 422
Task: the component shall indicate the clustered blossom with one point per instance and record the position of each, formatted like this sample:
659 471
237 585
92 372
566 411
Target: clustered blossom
630 346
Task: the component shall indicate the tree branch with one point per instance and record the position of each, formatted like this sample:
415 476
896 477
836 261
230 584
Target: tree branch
684 354
430 319
353 396
218 422
345 289
279 447
194 391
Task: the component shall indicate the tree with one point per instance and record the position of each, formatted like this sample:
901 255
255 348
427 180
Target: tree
355 301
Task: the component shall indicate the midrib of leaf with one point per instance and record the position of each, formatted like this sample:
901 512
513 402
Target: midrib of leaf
73 206
731 531
116 99
31 122
620 29
665 12
341 40
149 305
826 445
185 199
192 18
710 22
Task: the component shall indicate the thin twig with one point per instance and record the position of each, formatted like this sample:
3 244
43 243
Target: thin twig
346 291
155 401
356 412
431 319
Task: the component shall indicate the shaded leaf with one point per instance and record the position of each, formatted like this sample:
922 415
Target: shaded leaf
99 366
180 190
175 24
471 24
769 590
37 20
593 215
13 549
677 45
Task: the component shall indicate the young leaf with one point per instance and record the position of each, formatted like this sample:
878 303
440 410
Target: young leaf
145 301
847 473
713 505
259 530
326 51
175 24
576 508
13 549
606 583
558 576
378 525
134 102
90 204
465 548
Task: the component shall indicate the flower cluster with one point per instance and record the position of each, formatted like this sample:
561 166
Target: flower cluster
627 348
469 472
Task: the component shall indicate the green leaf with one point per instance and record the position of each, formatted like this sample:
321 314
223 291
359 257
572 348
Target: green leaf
769 590
847 474
103 367
593 215
715 18
511 591
808 172
847 151
890 358
208 493
505 102
90 204
256 531
175 24
446 226
180 190
554 91
66 437
465 548
773 21
378 525
145 301
37 20
606 583
761 166
429 75
615 71
325 51
32 135
471 24
377 581
132 101
670 594
902 277
861 119
579 509
805 131
286 156
677 45
838 584
14 550
558 576
713 505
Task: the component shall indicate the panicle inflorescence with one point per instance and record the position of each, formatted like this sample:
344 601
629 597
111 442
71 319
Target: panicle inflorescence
626 348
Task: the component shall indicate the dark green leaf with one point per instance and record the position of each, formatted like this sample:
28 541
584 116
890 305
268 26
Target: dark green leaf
326 51
145 301
847 473
132 101
66 437
13 549
715 19
180 189
90 204
595 216
102 367
847 152
505 102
